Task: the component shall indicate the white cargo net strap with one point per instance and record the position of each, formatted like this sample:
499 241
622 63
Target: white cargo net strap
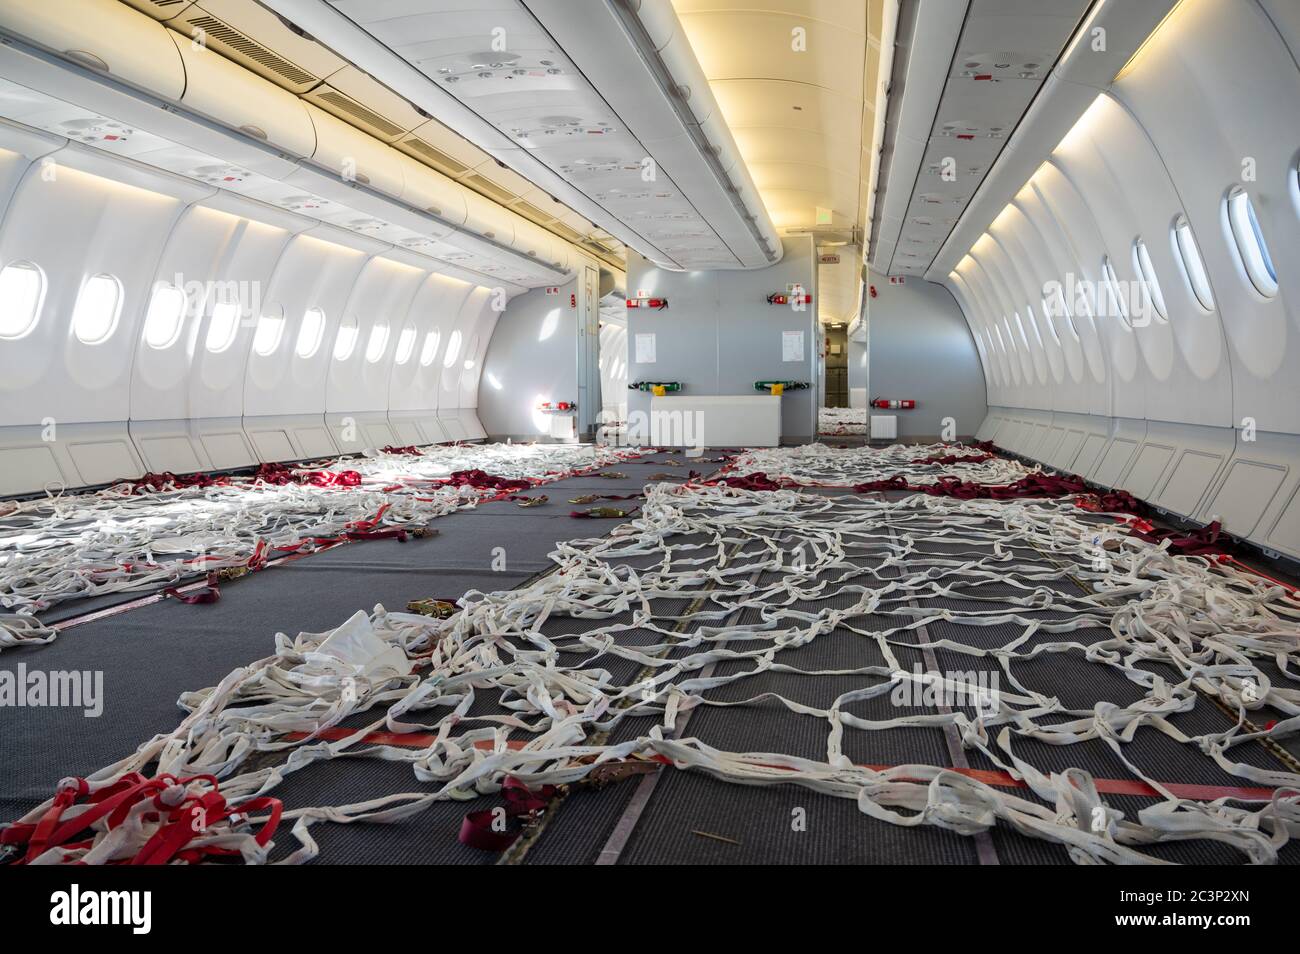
70 546
1214 625
842 420
813 465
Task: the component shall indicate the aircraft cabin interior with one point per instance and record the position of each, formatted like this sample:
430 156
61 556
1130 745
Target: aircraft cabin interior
644 432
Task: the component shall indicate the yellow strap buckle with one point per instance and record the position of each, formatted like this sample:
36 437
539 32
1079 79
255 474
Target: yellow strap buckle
778 389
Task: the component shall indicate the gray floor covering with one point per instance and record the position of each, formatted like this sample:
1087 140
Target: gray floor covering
150 654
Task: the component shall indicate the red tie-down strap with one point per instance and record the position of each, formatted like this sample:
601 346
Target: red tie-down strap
169 481
897 482
210 593
755 481
482 480
1209 539
496 829
1116 501
1032 485
179 824
281 474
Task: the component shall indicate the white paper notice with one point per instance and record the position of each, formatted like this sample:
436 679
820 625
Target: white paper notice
645 349
792 346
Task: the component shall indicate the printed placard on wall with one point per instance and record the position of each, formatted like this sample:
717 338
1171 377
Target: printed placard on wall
645 349
792 346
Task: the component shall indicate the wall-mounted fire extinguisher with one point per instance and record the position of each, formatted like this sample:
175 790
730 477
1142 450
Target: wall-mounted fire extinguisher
885 404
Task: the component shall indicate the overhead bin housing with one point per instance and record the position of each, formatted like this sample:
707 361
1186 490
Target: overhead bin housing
228 93
107 37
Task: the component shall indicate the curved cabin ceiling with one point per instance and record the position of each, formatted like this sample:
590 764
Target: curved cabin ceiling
248 33
940 151
593 98
796 96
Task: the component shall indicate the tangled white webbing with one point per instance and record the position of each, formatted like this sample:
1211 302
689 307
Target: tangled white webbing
1211 623
67 546
811 465
841 420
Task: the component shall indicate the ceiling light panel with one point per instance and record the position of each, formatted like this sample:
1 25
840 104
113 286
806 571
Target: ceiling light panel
494 58
1006 49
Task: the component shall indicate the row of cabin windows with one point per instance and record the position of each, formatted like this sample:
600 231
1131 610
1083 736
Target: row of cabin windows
99 304
1249 244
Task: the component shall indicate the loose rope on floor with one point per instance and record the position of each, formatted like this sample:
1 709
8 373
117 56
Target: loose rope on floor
1179 626
144 534
841 420
813 465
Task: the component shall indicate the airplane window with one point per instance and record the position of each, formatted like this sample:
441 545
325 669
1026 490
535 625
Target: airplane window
22 286
377 342
310 333
1116 303
1051 328
1250 243
453 350
223 325
430 349
1055 306
346 340
1295 185
270 326
1193 265
1038 339
1081 306
162 326
95 315
405 344
1020 327
1150 284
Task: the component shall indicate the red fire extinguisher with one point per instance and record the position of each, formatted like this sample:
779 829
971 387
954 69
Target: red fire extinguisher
886 404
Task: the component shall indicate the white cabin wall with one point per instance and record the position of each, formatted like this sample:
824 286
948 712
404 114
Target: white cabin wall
533 359
75 414
1198 410
719 335
922 350
613 371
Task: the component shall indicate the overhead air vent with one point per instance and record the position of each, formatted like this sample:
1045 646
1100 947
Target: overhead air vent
347 108
229 40
489 188
434 157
